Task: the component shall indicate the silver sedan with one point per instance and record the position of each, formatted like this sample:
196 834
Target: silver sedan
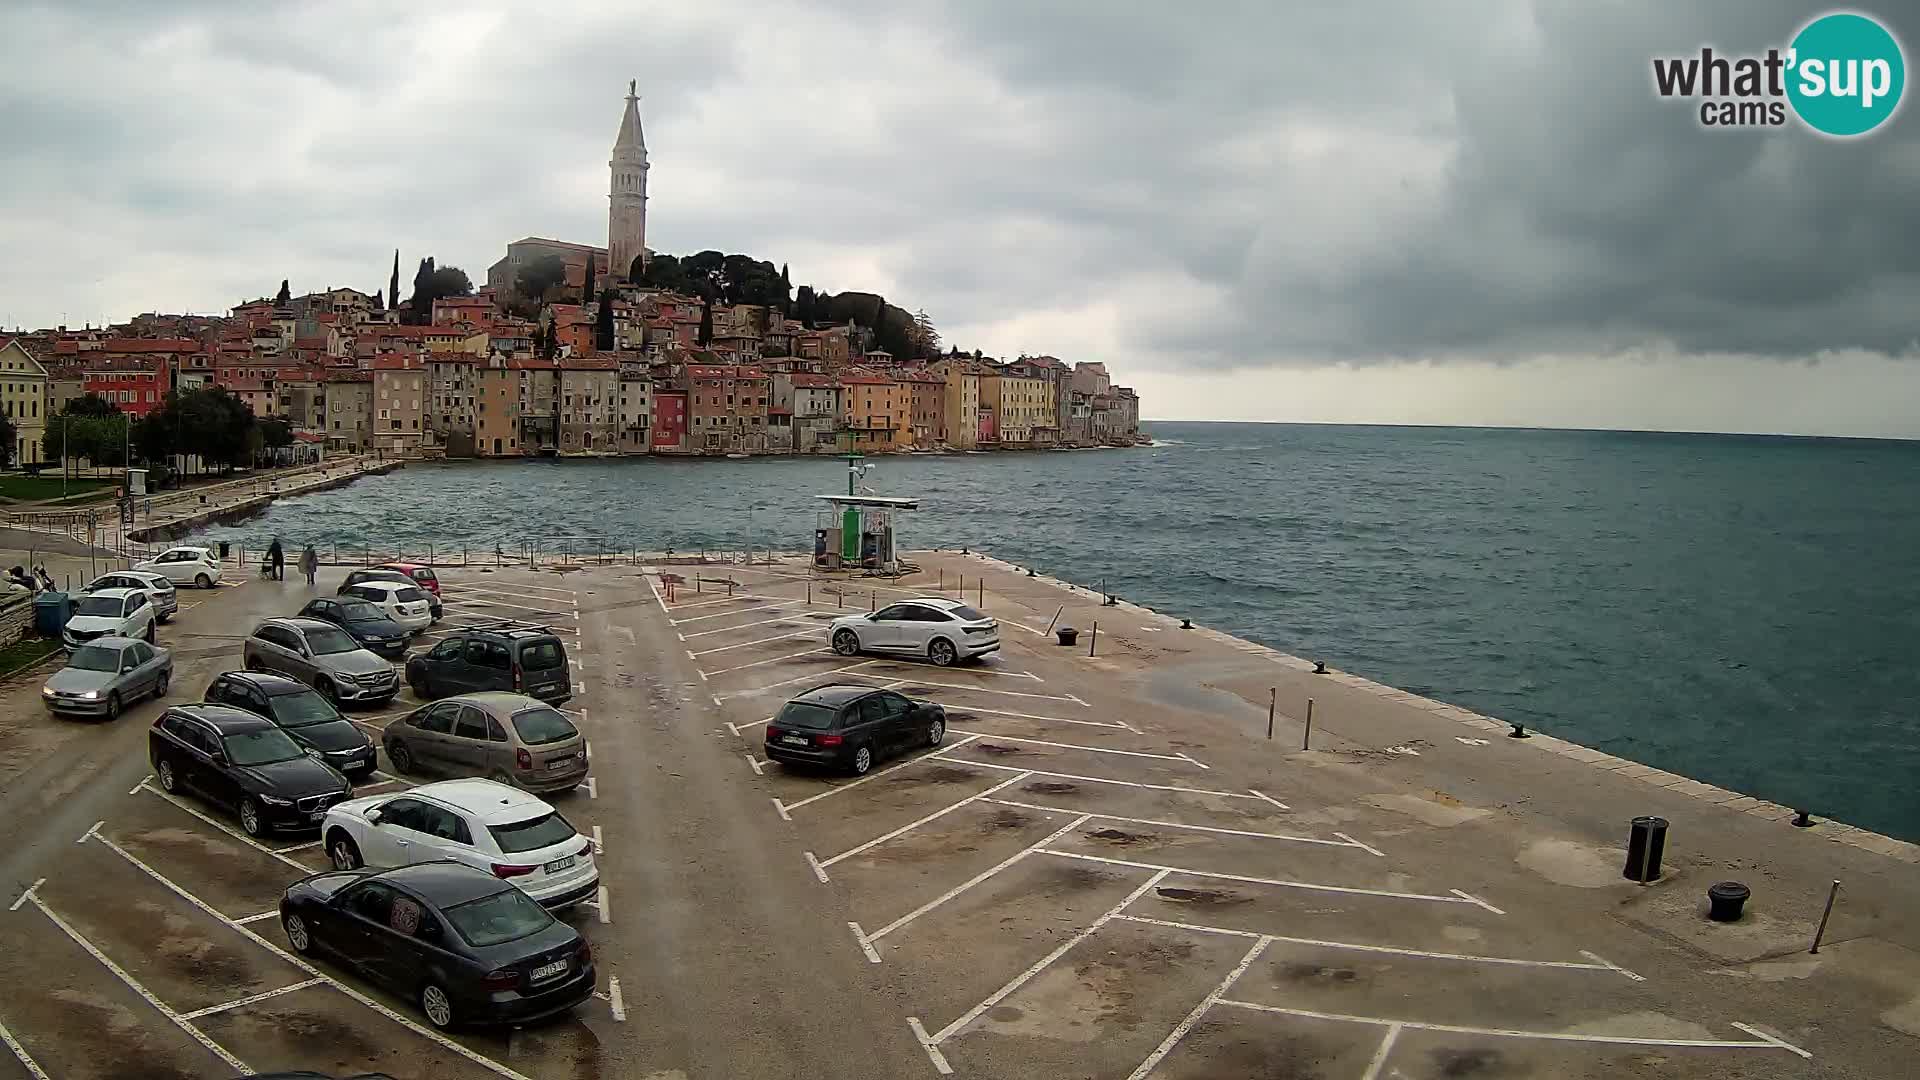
105 674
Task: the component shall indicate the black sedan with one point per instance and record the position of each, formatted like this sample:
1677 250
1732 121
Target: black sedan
467 947
243 761
851 727
367 625
300 711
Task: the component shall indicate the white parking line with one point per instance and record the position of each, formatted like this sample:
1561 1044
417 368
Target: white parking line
1352 946
137 987
734 599
1120 725
1185 1025
809 677
820 866
967 670
241 1003
292 847
1098 779
1077 746
261 917
26 1060
1763 1042
490 584
225 828
754 763
615 1002
691 655
601 905
1038 846
599 846
27 895
848 786
1042 964
178 890
726 614
976 689
561 596
1276 882
487 604
1364 847
768 660
1380 1056
1181 825
795 617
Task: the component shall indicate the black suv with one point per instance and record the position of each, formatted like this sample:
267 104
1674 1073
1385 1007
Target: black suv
511 656
851 727
300 711
243 761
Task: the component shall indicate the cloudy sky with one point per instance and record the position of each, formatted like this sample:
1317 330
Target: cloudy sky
1372 210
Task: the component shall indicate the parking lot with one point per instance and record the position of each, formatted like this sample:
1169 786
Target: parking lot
1075 884
159 929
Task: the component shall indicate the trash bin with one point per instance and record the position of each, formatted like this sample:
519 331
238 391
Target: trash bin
1067 634
1725 899
225 548
51 610
1645 845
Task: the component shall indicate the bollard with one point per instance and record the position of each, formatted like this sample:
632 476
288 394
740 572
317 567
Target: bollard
696 583
1519 731
1646 843
943 579
981 602
1725 899
809 592
1067 635
1822 930
873 600
1306 735
1093 638
1273 698
1186 624
729 588
1802 819
1056 617
1319 667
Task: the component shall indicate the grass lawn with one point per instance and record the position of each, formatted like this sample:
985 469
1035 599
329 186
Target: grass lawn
24 488
26 652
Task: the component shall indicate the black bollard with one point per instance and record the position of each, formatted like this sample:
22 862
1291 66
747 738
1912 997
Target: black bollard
1519 732
1186 624
1725 901
1802 819
1319 667
1067 635
1646 844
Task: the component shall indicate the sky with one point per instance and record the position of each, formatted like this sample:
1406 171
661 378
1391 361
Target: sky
1384 211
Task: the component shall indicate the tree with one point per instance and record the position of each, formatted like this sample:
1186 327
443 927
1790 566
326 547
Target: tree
434 283
603 323
378 300
275 433
543 273
586 291
925 339
786 282
393 283
6 440
803 306
706 323
285 294
641 270
90 404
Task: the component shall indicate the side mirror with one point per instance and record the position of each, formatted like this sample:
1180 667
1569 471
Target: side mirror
374 816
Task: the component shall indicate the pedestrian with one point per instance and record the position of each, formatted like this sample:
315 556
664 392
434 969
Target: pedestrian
309 564
277 555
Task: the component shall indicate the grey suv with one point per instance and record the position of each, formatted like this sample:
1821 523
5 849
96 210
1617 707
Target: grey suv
324 657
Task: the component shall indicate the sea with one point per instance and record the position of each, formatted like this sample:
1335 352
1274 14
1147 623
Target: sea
1744 610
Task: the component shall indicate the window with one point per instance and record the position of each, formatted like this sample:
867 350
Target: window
532 833
472 724
437 719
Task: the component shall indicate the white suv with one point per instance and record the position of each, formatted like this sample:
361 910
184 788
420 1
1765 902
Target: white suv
125 613
404 604
185 566
944 631
486 825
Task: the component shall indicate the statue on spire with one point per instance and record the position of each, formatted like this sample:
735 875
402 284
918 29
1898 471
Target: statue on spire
631 84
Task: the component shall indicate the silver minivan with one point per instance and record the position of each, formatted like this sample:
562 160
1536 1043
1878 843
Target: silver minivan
510 738
324 657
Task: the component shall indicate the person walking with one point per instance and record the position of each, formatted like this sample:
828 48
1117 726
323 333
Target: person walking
309 564
277 555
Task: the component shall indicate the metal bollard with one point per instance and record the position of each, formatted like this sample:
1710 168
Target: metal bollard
873 600
1273 700
1056 617
1821 932
1094 638
1306 736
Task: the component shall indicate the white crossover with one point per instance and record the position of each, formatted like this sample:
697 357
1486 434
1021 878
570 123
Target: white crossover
185 565
405 604
120 613
941 630
486 825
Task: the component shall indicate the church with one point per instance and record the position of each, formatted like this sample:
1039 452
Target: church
626 218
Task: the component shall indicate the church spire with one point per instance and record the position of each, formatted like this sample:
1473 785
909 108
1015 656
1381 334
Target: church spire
627 194
631 137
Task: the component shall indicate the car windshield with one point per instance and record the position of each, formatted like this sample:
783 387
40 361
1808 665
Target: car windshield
361 611
544 831
540 655
805 714
94 658
542 725
263 747
302 708
409 594
504 916
328 641
98 605
965 613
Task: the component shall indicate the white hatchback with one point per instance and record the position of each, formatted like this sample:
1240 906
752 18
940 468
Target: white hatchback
405 604
185 566
487 825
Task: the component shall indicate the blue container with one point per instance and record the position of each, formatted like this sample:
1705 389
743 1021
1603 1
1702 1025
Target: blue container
51 610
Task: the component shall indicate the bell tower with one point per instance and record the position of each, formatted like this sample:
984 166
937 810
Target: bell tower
627 193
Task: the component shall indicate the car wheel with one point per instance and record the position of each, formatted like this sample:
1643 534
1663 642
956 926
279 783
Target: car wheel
327 690
401 757
202 581
846 642
422 689
297 934
862 761
168 617
343 853
937 731
250 820
152 633
113 705
941 652
169 783
437 1005
160 684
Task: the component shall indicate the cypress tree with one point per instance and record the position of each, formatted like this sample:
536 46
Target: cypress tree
586 294
706 323
393 284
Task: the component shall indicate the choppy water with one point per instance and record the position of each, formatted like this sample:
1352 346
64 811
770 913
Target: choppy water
1744 610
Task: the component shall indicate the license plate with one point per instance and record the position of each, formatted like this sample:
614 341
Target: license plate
563 763
794 740
548 971
316 815
558 865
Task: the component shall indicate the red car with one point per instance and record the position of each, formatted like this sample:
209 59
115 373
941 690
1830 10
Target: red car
422 575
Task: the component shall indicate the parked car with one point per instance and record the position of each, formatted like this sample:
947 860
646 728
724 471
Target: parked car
324 657
376 573
105 674
123 613
464 945
363 622
404 603
501 656
851 727
506 737
158 587
186 565
486 825
420 574
944 631
242 761
301 712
